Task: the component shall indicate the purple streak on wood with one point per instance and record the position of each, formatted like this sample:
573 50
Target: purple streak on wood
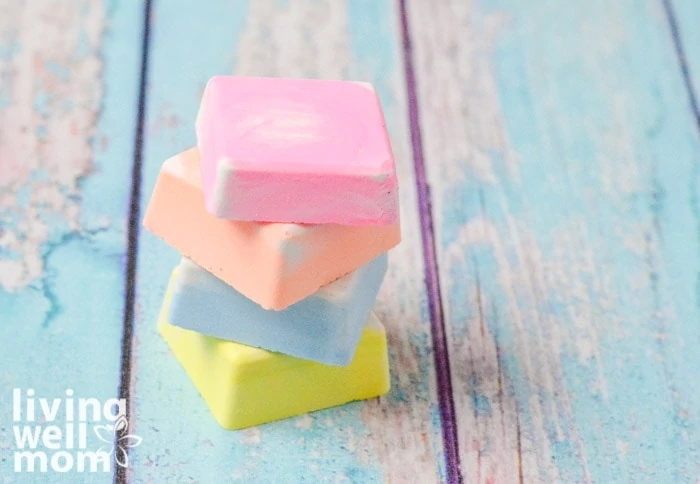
682 59
432 281
121 472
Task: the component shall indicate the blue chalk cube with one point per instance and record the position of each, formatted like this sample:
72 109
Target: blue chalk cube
325 326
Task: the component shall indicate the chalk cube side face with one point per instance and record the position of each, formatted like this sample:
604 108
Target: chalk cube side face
274 264
245 386
324 327
296 150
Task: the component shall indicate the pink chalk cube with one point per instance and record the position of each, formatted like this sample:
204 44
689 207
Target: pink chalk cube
296 151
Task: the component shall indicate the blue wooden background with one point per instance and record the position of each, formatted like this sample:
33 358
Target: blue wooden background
543 309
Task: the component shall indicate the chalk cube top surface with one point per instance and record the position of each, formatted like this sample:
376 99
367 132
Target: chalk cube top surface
296 150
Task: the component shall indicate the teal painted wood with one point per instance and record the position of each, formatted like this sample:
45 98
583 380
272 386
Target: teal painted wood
565 183
687 14
67 111
395 438
563 160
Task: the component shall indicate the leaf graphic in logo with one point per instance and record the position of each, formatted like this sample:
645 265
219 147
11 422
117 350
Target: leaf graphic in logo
105 433
121 425
109 433
122 457
130 441
126 442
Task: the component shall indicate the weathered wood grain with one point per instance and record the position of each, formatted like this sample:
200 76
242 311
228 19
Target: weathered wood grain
396 438
68 84
563 160
562 149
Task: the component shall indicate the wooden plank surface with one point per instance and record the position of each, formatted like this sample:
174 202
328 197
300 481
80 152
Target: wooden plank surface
396 438
560 141
68 83
563 161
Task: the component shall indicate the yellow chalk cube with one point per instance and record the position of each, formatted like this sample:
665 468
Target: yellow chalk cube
245 386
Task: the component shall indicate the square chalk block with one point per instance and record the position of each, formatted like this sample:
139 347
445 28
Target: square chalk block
324 327
296 150
245 386
273 264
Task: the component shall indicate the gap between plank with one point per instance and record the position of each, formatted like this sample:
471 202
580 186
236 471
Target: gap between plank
680 54
432 280
688 81
121 473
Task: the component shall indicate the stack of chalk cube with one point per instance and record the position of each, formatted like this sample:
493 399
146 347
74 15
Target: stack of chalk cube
283 215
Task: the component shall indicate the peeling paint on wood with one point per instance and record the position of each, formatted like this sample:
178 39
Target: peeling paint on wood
563 167
67 111
561 141
49 64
